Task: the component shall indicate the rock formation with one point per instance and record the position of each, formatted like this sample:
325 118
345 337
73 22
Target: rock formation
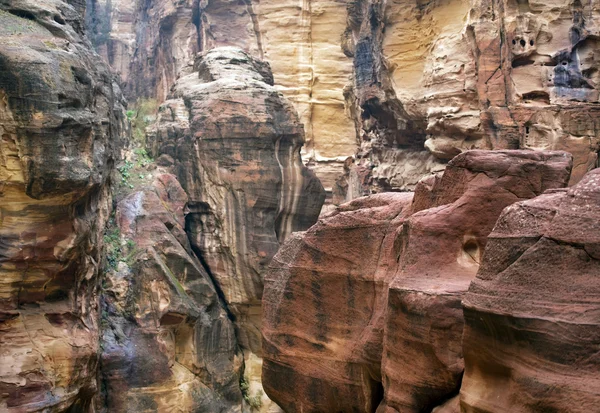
402 88
442 243
326 303
167 342
438 77
531 316
60 123
236 144
149 42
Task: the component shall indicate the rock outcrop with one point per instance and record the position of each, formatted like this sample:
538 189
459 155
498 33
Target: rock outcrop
432 80
442 244
236 144
324 303
531 316
60 122
150 42
397 89
167 342
366 303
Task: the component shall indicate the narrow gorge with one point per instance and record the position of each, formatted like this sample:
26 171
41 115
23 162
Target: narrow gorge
326 206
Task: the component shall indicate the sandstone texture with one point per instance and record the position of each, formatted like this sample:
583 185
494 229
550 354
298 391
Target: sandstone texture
60 123
442 244
531 324
167 341
324 304
149 43
387 91
236 144
363 310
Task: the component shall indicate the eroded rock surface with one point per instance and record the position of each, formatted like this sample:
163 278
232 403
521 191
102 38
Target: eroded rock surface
324 304
236 143
398 89
60 121
443 241
167 341
393 263
531 316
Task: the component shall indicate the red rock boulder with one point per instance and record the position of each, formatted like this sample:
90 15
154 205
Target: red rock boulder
324 303
532 315
422 359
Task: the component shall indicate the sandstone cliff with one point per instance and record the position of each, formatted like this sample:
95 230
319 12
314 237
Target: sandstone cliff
234 142
531 324
401 87
60 122
362 311
167 341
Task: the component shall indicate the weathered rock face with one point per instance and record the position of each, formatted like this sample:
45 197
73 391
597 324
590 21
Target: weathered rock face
60 120
324 304
167 342
442 243
149 42
438 77
145 42
236 142
531 323
326 301
401 87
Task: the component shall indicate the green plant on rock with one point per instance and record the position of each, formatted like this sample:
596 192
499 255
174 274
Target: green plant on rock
142 116
255 402
112 245
143 159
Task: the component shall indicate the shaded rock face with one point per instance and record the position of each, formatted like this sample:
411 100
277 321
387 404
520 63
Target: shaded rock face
362 311
236 144
145 42
325 294
149 42
167 342
442 243
60 121
531 333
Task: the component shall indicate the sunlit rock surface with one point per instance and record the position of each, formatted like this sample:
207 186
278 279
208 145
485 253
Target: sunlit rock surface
60 122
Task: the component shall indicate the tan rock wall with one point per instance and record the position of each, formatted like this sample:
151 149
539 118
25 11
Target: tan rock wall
60 125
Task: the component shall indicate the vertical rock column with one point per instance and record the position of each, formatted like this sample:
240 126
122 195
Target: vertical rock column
60 119
236 143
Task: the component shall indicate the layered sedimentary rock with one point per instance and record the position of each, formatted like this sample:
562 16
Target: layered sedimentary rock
531 316
443 242
437 78
149 42
236 143
402 87
60 120
145 42
326 302
167 341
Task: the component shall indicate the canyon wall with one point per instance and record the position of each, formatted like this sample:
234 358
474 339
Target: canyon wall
234 143
61 119
387 90
362 312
